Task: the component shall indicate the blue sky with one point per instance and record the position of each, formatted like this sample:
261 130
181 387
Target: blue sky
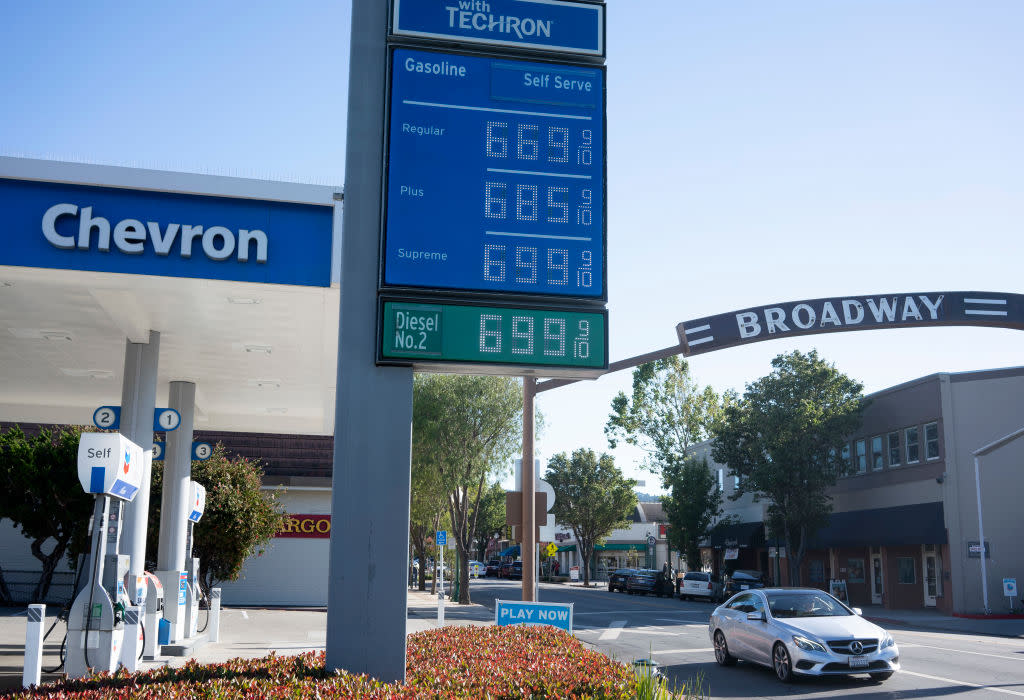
757 152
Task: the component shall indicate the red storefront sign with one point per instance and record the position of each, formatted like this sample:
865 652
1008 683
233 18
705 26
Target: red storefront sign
299 525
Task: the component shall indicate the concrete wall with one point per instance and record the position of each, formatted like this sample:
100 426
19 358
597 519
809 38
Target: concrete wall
292 571
980 411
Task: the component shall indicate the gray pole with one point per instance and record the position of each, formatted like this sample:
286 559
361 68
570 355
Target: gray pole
138 400
981 536
529 487
174 505
367 596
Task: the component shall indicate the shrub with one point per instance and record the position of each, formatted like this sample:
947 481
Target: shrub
452 662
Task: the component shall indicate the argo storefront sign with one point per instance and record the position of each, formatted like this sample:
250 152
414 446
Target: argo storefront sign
306 526
110 229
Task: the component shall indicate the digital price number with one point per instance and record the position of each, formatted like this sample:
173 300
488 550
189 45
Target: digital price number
442 333
495 175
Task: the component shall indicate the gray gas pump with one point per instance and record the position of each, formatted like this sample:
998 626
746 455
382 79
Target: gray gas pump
197 503
110 467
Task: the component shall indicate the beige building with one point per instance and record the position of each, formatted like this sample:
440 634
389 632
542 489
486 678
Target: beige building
904 531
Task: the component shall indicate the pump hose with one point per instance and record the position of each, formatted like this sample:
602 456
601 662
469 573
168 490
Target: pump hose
142 649
204 604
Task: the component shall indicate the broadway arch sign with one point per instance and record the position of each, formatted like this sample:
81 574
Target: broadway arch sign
855 313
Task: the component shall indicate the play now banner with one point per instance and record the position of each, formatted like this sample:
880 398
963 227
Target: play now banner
516 612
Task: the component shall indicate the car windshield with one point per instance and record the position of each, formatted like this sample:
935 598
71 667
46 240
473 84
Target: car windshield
792 604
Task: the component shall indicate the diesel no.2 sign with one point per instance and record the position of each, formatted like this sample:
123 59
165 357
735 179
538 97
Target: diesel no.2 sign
495 176
440 334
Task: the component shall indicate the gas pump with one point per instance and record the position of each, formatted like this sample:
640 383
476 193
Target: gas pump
197 501
110 467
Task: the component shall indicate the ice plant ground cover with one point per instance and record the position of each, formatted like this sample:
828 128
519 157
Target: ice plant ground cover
452 662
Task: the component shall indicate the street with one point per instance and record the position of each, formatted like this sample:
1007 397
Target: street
674 633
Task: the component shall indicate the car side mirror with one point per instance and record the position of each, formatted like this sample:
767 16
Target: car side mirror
755 616
857 611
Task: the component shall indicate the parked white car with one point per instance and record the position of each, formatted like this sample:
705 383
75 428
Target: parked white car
801 632
702 585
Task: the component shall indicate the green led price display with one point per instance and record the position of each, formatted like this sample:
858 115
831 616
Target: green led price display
493 335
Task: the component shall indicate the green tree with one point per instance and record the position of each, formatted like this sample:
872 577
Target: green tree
465 427
591 497
784 440
428 504
693 503
238 521
40 493
667 413
490 517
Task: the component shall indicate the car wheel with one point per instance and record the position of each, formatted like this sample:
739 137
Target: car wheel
722 655
883 676
781 663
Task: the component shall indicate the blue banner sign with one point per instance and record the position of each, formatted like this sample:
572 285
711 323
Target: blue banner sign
514 612
496 176
548 25
106 229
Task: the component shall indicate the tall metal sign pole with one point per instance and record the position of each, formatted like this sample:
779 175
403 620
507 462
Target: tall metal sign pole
366 612
474 242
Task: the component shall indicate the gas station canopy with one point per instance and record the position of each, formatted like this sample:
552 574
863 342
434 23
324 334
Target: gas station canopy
239 277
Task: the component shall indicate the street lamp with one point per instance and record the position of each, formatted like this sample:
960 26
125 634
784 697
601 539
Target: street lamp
978 454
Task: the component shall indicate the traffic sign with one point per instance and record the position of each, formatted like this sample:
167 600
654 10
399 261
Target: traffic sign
1010 587
441 538
564 343
495 176
551 550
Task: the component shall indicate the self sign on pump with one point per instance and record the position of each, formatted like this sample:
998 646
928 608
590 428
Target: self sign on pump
109 463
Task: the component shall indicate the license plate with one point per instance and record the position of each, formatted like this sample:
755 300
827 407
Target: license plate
858 662
744 587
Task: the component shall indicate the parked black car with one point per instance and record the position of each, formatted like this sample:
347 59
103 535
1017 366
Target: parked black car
493 566
517 570
741 580
617 581
650 581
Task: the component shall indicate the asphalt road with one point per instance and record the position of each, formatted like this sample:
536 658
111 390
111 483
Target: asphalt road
675 634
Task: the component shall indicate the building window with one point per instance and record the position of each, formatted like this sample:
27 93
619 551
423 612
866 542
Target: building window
855 570
913 449
907 570
862 458
721 480
816 571
845 455
931 441
894 449
876 453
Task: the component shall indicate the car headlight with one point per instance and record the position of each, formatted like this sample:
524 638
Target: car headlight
887 641
807 644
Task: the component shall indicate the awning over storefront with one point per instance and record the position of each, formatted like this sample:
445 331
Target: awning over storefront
512 551
607 547
920 523
736 535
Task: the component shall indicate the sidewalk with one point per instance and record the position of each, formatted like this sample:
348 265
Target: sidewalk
932 620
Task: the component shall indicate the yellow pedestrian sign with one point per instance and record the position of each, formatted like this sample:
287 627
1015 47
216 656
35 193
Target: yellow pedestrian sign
552 549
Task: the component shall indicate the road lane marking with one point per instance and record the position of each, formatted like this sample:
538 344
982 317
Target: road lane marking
964 683
245 615
961 651
613 631
680 651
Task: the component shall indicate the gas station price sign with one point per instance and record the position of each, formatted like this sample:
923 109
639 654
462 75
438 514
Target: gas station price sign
443 334
495 176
